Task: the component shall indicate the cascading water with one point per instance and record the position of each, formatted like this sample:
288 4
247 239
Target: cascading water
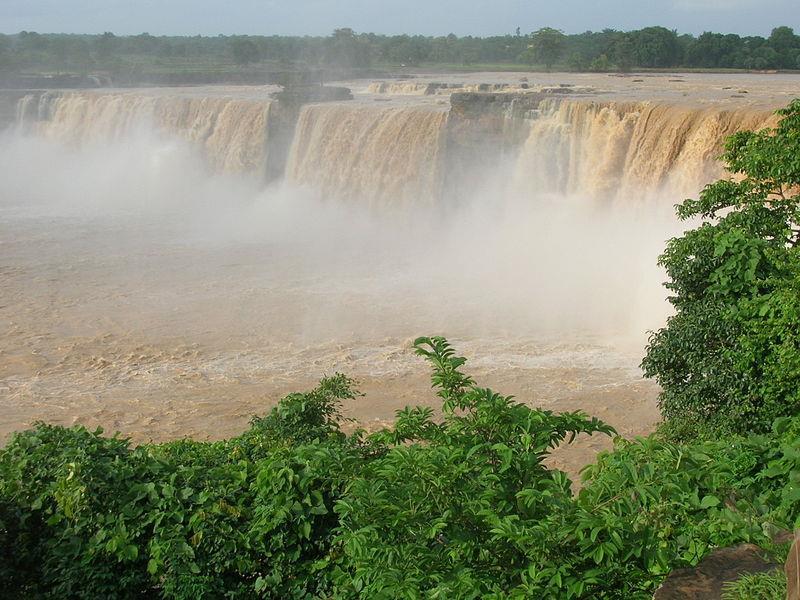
406 87
380 155
612 150
232 133
399 155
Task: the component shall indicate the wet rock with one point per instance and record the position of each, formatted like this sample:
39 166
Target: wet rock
283 119
477 105
706 580
303 94
561 89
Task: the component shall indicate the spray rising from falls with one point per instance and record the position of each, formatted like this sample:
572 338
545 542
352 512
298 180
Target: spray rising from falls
232 133
415 154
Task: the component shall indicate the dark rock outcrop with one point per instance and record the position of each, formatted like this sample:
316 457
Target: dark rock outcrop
305 94
484 131
706 580
283 118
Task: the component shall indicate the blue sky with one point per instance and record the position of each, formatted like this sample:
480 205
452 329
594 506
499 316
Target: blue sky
429 17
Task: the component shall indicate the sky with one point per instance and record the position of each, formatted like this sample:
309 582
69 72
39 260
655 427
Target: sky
426 17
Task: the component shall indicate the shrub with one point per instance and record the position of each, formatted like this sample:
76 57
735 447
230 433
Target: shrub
757 586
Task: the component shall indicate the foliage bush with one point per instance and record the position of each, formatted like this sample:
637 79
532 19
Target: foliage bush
460 507
728 361
757 586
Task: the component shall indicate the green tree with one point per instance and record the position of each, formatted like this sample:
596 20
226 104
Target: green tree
143 43
713 50
784 41
244 51
402 50
5 51
729 359
624 52
106 45
764 57
547 46
656 47
600 64
577 62
344 48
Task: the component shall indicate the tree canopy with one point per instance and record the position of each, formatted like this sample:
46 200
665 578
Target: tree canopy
651 47
546 47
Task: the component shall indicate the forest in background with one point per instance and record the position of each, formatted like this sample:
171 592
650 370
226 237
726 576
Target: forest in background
546 48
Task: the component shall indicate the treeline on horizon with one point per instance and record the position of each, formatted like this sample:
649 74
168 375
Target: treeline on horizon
607 50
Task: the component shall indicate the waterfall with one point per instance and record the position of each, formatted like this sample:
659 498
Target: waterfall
380 155
613 150
231 133
399 155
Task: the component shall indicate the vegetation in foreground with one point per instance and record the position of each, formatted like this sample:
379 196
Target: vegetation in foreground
757 586
463 506
458 508
131 58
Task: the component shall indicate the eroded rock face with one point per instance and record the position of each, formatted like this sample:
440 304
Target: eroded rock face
484 133
792 568
283 121
706 580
